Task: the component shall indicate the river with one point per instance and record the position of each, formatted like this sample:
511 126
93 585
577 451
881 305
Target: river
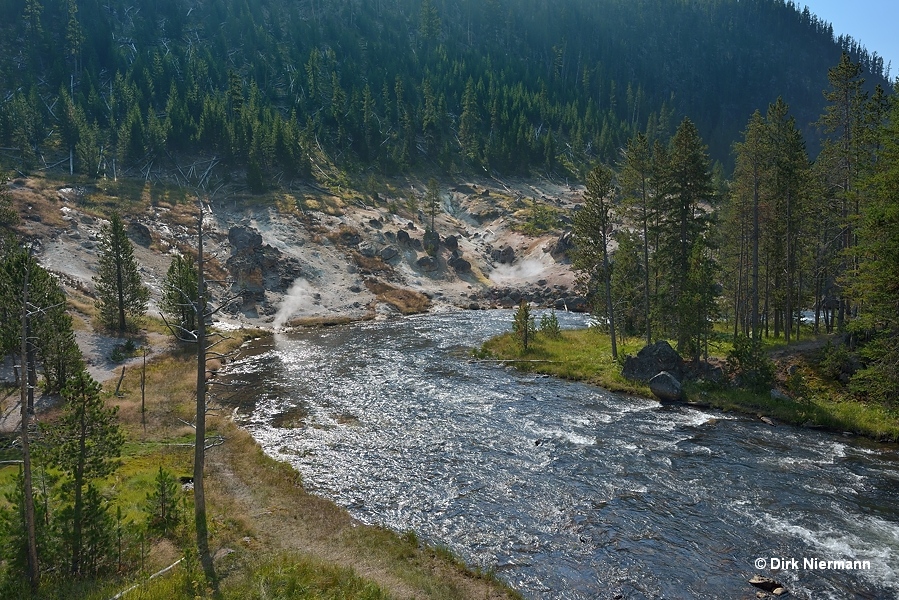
565 490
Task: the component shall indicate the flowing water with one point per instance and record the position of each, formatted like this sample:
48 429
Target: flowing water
563 489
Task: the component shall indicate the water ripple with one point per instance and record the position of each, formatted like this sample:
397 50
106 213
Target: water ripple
566 490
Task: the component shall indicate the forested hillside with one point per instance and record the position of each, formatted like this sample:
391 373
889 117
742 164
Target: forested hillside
513 86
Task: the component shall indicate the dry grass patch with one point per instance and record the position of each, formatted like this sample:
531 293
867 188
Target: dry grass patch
408 302
36 199
371 264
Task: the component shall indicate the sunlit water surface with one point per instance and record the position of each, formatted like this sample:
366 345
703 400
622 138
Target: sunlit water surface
566 490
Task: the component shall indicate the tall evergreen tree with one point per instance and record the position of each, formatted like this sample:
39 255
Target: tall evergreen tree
120 294
636 177
179 294
790 177
51 339
686 193
84 444
753 158
875 285
844 121
592 225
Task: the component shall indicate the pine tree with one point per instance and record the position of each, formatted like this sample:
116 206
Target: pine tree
431 239
686 192
636 177
120 294
84 444
51 339
161 505
875 285
470 123
179 293
753 157
844 120
523 325
592 225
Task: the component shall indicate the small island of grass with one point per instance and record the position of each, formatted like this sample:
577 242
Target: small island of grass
810 397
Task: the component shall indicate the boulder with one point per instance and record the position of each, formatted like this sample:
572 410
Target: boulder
506 302
402 237
767 584
666 387
427 264
389 252
260 269
563 245
367 250
451 242
576 304
431 241
140 233
459 264
651 361
243 237
349 237
504 255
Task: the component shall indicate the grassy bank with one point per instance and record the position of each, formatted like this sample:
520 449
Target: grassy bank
585 355
271 539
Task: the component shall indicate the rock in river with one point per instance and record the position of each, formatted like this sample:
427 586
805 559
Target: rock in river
666 387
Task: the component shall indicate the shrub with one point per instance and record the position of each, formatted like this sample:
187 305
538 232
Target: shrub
161 505
523 327
748 361
836 360
549 325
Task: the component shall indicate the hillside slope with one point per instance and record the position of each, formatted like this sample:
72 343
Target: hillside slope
514 87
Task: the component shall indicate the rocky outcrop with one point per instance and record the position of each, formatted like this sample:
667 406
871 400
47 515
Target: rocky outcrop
504 255
563 246
431 242
768 584
451 242
666 387
242 237
571 303
652 360
256 267
349 237
140 233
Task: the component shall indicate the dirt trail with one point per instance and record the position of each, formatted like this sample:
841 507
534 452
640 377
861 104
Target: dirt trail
803 347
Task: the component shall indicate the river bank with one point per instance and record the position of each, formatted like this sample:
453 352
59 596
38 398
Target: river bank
585 355
267 531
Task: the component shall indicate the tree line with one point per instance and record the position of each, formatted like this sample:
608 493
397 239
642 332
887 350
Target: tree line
785 241
105 88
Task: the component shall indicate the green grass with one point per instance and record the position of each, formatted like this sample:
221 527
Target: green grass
585 355
579 355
